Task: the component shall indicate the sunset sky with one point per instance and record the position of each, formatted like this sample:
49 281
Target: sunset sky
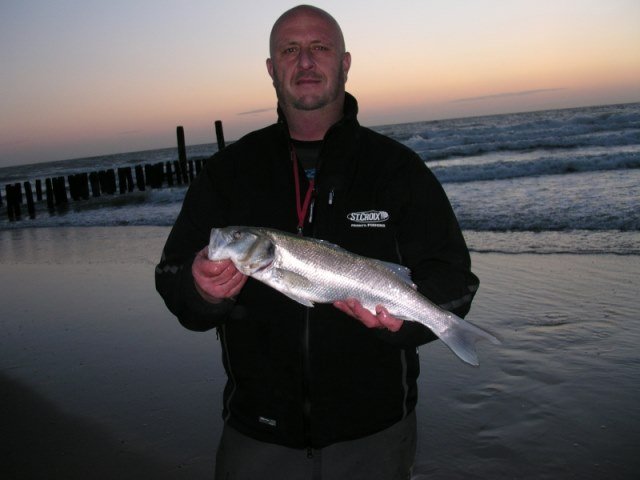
87 77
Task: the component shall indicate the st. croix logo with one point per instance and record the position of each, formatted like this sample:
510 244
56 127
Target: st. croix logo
368 219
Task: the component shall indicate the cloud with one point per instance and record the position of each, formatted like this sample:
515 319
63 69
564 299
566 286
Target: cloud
254 112
522 93
14 142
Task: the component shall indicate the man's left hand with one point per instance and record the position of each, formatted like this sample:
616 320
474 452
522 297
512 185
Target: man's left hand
382 318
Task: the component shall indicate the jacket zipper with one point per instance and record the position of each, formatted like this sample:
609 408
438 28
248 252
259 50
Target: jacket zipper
306 338
306 380
306 355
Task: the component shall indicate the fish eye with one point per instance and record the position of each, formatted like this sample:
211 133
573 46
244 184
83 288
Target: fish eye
237 235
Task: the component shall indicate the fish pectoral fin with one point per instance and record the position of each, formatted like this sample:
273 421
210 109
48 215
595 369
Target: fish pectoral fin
290 282
303 301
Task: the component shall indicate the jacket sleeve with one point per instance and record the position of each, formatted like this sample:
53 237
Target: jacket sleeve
201 210
431 244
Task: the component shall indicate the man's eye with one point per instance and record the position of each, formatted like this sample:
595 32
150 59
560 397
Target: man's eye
291 50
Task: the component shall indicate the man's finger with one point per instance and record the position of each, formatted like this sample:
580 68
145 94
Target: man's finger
355 309
391 323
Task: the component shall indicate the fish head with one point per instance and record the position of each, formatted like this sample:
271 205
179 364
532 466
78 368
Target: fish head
249 249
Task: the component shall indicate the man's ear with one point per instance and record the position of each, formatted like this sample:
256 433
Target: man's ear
270 67
346 64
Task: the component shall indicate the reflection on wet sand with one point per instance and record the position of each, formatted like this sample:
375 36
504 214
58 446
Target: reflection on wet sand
40 441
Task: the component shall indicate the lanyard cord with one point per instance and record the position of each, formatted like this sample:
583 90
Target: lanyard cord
301 207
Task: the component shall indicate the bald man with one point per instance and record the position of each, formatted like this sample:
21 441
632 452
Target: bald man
327 392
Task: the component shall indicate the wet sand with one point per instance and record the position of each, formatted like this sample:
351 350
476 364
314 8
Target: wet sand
98 380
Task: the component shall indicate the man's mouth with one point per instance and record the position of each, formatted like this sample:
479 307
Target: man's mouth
308 79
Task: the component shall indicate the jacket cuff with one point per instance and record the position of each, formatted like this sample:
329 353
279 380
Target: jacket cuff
201 315
411 334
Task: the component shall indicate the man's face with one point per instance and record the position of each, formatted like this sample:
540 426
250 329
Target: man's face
308 64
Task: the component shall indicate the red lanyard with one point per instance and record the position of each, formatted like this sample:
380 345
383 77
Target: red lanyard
301 207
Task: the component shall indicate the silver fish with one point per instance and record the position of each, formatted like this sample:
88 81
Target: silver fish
315 271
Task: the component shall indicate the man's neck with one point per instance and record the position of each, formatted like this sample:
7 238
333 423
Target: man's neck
313 124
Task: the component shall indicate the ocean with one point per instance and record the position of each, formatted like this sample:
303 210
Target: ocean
556 181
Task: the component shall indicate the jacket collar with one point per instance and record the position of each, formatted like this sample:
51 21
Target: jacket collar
337 156
350 115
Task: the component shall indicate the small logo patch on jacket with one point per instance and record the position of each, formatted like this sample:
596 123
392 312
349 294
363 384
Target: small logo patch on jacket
370 219
268 421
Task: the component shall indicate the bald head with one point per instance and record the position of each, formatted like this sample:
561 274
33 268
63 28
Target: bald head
308 11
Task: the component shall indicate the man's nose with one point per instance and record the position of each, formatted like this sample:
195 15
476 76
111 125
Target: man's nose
305 59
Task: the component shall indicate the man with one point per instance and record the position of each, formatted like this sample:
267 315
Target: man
327 392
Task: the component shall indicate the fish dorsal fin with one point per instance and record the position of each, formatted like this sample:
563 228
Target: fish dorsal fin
330 245
402 272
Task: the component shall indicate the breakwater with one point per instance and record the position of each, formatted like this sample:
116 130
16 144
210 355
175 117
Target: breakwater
20 199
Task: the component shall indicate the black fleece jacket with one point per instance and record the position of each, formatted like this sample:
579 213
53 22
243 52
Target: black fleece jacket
310 377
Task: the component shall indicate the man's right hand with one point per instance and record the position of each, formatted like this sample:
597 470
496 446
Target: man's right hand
216 280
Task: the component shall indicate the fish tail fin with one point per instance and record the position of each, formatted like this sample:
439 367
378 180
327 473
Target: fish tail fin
462 337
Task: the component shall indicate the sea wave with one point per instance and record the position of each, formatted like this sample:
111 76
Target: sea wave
590 201
577 242
511 165
610 126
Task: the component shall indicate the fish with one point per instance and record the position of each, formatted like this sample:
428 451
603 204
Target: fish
311 271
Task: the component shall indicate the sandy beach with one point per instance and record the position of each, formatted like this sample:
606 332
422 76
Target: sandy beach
98 380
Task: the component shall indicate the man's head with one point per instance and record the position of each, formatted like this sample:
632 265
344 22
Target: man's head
308 63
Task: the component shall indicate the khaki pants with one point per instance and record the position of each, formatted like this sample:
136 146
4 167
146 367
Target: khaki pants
386 455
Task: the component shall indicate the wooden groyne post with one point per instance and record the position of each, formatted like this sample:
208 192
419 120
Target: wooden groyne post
39 190
182 156
31 207
14 211
219 135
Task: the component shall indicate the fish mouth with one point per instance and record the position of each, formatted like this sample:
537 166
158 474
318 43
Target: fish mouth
213 244
217 240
